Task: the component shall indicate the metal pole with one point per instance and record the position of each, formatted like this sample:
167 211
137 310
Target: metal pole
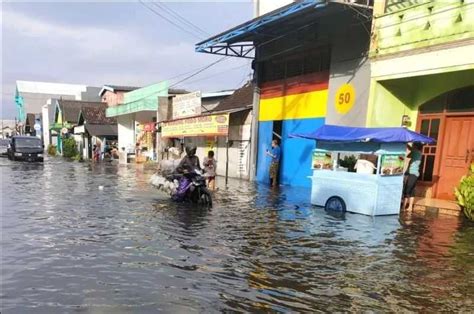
227 160
254 133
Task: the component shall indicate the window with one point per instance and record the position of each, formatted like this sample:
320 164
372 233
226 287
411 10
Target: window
307 62
459 100
429 127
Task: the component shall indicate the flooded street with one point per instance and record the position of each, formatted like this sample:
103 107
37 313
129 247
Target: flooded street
78 237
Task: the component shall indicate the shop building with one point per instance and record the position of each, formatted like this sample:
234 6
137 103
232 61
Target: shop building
136 114
113 94
423 77
66 117
310 67
94 128
225 130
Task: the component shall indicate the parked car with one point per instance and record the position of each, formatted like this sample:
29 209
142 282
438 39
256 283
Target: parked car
27 148
4 144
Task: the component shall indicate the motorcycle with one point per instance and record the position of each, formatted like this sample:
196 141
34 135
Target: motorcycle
190 187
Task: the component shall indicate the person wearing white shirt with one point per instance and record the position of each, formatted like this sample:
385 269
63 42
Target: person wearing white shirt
364 166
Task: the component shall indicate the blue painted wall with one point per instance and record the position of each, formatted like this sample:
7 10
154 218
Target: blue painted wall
265 135
295 165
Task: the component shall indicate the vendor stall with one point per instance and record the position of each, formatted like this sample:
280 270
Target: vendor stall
376 192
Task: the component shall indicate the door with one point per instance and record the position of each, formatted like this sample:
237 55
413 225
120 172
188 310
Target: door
457 154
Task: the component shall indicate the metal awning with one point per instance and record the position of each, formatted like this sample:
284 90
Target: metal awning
239 41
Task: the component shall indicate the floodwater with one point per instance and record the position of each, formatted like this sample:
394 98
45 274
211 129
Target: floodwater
82 238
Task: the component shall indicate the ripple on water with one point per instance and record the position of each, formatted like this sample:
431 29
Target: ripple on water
69 246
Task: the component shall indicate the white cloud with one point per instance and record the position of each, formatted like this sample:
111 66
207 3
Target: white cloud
89 41
47 50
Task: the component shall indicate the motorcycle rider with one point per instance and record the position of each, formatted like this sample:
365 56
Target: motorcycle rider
190 162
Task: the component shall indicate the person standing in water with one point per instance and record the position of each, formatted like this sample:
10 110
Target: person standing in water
275 155
210 165
412 173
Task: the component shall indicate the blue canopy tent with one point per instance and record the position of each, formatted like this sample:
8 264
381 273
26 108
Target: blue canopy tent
371 194
345 134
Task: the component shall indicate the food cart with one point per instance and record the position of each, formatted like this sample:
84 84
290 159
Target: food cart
335 188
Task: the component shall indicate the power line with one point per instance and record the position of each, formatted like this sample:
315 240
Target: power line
219 73
169 20
176 15
186 78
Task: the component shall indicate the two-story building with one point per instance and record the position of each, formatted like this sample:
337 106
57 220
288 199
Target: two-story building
310 61
422 60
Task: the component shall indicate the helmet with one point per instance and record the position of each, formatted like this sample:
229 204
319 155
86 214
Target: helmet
191 151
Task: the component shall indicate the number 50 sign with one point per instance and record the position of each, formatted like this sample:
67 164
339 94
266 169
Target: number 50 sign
345 98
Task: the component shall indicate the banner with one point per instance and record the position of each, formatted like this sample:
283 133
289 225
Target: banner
187 105
321 160
392 164
215 125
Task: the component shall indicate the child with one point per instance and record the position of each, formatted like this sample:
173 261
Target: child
210 165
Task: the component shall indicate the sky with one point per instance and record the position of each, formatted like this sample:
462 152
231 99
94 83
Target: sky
121 43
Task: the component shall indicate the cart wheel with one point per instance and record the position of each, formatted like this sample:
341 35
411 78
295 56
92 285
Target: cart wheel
335 204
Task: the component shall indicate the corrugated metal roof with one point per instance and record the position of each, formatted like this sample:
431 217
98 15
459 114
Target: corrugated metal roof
247 31
242 98
72 108
96 115
102 129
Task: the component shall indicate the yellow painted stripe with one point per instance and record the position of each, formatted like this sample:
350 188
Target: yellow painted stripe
300 106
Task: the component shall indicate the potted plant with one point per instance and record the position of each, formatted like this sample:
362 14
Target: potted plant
465 193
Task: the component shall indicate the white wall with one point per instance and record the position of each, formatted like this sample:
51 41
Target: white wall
45 122
126 131
265 6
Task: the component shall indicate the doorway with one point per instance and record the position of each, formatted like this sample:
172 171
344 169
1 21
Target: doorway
449 119
456 155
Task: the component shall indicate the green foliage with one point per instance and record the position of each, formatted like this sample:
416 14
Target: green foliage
465 193
52 151
69 148
348 162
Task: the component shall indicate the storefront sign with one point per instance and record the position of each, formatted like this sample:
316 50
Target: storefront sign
345 98
187 105
215 125
392 164
321 160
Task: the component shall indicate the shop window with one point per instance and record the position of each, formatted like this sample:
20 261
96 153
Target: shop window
425 127
305 62
434 129
429 166
459 100
429 127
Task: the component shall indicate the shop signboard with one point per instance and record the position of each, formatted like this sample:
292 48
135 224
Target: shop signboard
187 105
321 160
212 125
392 164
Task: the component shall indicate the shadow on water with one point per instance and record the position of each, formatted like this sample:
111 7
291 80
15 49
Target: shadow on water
98 238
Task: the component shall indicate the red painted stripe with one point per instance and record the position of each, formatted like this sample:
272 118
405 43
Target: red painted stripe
295 85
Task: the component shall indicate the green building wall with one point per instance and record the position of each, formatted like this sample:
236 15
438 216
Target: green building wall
405 36
409 25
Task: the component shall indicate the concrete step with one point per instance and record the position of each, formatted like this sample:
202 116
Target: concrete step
441 207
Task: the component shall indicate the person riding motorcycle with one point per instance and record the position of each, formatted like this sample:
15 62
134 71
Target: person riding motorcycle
190 162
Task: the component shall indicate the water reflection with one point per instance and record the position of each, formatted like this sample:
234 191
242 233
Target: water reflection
97 238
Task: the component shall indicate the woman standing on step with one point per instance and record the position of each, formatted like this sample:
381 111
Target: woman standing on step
411 175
